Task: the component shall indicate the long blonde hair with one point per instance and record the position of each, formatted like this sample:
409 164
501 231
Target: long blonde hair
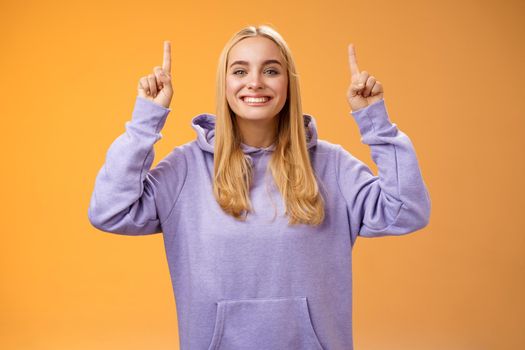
290 163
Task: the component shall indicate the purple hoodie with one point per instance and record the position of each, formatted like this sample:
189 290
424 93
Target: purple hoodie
259 284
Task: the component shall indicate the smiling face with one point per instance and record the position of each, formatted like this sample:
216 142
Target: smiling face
255 68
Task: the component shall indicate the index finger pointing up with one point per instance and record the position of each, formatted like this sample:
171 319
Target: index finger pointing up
166 63
353 61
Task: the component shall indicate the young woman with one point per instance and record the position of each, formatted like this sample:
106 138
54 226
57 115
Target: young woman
258 215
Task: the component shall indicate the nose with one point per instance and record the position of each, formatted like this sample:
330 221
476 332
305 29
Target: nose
255 81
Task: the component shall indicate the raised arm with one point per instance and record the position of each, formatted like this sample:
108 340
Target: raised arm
396 201
127 194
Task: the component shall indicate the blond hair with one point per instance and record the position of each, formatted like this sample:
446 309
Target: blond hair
290 163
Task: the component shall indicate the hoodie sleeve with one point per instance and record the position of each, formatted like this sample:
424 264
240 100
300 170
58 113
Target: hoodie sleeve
128 197
397 201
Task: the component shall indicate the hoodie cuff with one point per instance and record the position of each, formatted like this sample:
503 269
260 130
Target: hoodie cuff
372 118
149 115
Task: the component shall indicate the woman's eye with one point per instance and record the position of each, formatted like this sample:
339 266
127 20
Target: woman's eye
275 72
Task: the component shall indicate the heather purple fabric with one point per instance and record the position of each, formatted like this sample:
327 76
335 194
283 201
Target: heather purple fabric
259 284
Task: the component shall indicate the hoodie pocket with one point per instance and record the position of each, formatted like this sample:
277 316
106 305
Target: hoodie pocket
264 323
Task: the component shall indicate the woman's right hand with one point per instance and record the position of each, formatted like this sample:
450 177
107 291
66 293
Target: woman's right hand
157 87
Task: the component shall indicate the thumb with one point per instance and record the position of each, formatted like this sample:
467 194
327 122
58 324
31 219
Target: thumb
165 78
356 88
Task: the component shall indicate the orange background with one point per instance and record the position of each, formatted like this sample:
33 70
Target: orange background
453 77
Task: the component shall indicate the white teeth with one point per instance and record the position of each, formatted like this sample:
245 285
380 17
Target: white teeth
256 99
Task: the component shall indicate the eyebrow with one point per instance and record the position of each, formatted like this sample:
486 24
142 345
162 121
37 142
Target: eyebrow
246 63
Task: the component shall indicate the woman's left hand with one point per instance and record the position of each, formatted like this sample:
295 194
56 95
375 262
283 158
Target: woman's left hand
364 89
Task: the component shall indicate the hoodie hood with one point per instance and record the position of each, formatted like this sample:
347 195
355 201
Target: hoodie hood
204 126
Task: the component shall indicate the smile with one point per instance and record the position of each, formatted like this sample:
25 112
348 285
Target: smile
259 101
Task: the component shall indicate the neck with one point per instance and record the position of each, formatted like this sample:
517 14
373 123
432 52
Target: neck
259 133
